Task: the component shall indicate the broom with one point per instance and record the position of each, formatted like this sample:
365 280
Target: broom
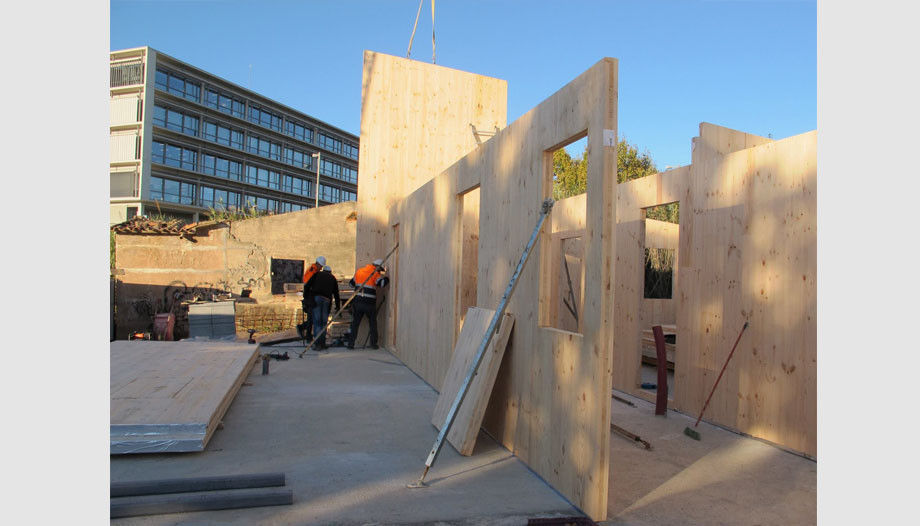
693 433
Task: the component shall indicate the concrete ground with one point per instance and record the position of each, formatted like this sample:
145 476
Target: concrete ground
725 478
349 429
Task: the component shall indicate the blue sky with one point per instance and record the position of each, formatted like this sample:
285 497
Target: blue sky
745 64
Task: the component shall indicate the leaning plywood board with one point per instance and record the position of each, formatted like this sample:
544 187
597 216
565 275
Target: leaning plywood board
463 432
170 396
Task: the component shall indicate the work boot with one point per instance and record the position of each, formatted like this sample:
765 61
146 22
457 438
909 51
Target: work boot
375 346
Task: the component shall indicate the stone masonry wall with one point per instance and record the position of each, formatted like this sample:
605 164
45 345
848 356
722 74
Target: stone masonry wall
156 273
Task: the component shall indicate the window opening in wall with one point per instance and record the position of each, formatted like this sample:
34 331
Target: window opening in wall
660 239
285 271
659 272
469 254
562 263
570 169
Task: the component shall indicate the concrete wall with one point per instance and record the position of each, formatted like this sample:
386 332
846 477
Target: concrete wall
157 272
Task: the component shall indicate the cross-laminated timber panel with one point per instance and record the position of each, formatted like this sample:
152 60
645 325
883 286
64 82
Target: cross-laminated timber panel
550 404
747 249
416 120
171 396
748 252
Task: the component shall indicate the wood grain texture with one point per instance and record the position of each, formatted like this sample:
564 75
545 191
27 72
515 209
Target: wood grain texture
170 396
463 432
415 122
746 251
634 313
550 403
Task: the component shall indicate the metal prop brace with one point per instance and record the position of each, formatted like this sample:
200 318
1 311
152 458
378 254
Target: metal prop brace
490 331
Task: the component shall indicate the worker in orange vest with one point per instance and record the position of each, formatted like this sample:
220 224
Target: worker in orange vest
305 329
373 277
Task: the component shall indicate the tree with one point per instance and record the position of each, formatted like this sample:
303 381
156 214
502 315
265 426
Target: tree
630 164
570 176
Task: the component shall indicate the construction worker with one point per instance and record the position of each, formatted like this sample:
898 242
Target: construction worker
365 303
305 329
324 288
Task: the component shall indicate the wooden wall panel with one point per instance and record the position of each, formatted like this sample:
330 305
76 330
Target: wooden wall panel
749 254
747 248
632 197
415 122
550 404
658 311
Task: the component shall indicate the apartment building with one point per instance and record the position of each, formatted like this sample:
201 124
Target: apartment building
184 142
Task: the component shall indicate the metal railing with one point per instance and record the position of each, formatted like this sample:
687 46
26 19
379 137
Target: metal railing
126 74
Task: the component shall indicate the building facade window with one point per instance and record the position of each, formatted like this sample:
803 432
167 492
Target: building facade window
289 207
264 147
296 185
175 120
336 170
220 167
265 118
219 199
223 135
298 158
224 103
263 177
330 193
350 151
298 131
330 143
172 191
263 204
176 156
177 85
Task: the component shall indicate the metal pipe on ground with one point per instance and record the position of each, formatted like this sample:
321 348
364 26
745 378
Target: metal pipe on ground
185 485
186 502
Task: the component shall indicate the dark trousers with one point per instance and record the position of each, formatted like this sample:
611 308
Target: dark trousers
320 317
360 308
308 324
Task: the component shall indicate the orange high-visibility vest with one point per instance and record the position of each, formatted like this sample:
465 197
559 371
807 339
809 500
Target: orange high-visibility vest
312 269
370 274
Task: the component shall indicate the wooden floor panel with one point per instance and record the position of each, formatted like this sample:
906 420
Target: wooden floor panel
170 396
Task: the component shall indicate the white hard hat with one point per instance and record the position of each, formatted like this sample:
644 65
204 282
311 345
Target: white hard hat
378 262
321 260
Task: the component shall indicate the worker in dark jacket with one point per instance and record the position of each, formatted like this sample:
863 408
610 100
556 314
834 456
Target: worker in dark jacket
305 329
324 288
367 281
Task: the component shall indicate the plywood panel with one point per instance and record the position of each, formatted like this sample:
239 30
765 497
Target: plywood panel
749 254
463 432
551 383
415 122
634 313
170 396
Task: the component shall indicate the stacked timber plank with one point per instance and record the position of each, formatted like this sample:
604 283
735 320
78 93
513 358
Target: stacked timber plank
170 396
212 319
